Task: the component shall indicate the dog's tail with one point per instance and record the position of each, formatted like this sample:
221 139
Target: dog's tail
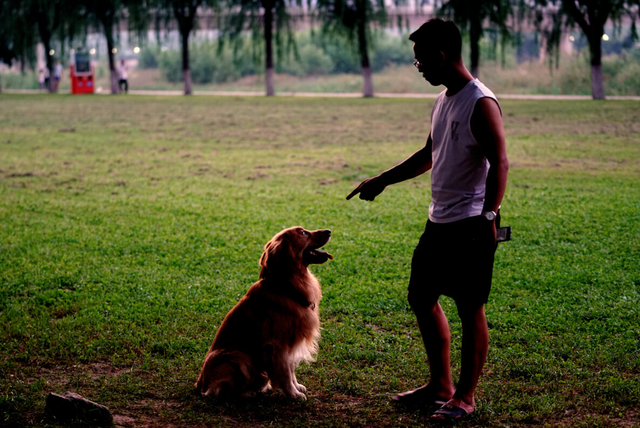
225 373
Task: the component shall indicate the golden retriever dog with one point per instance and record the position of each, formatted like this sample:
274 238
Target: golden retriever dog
273 327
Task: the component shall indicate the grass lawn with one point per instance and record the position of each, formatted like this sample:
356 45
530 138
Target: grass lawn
131 225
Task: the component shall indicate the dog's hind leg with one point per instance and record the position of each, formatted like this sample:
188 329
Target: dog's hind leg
225 373
260 383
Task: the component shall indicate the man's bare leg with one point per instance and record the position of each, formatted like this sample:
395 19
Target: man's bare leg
434 328
475 344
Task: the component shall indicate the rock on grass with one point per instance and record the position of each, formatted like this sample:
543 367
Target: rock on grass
73 407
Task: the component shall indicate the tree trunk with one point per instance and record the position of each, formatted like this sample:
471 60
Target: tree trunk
269 81
113 74
106 19
367 87
597 85
50 67
186 72
475 33
593 28
45 37
115 81
49 62
186 77
595 46
268 40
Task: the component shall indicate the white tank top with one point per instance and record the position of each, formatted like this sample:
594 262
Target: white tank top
460 168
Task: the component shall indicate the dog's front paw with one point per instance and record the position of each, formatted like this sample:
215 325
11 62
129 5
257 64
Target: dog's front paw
300 388
300 396
296 395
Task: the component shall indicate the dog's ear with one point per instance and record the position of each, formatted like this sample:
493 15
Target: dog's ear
269 255
276 253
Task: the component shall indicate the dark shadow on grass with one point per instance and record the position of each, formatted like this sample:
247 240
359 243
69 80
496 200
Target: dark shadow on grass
262 408
423 412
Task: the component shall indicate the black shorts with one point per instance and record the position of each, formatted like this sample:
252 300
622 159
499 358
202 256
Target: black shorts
455 260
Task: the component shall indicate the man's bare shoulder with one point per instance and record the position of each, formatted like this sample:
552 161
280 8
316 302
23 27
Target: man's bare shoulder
486 107
486 121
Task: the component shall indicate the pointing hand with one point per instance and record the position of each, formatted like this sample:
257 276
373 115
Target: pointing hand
368 189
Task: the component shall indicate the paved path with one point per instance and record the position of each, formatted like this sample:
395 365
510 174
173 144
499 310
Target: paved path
339 95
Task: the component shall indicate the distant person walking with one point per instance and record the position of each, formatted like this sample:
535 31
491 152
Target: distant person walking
46 77
57 74
466 152
41 78
122 74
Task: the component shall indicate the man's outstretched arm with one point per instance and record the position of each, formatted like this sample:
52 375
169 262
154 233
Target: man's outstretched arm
415 165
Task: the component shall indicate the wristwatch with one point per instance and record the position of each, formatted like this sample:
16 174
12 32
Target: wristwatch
489 215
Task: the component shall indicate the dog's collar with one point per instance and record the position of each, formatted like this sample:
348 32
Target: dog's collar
292 293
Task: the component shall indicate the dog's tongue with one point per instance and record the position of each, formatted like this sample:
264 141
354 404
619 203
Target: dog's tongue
324 253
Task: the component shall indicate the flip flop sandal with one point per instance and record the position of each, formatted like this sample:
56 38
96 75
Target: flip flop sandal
449 412
417 401
416 398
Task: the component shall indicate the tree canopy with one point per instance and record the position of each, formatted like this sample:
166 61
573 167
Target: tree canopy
591 17
270 25
353 20
54 23
470 16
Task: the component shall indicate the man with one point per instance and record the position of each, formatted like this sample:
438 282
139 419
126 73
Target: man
57 74
454 257
42 77
123 83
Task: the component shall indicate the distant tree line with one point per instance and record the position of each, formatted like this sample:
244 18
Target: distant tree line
25 23
313 56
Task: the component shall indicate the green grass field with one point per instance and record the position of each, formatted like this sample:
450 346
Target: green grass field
131 225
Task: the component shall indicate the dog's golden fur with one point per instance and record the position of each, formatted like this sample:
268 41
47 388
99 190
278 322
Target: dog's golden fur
274 326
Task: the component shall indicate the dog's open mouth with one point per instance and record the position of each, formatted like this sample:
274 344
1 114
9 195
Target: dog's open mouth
316 256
